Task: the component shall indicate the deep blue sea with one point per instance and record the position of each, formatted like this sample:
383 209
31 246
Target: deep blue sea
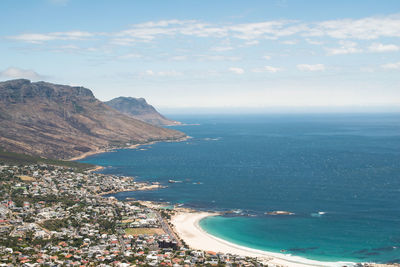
339 174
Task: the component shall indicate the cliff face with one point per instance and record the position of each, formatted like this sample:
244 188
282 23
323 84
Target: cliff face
139 109
59 121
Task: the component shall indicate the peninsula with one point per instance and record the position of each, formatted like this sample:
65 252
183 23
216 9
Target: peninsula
139 109
62 122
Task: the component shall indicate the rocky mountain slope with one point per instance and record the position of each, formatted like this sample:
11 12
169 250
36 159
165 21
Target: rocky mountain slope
59 121
140 109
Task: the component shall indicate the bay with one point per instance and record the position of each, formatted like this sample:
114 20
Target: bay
339 174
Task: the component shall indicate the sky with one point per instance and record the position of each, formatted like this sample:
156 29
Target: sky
211 55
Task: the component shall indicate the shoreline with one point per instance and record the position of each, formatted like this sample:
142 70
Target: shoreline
97 168
143 188
190 231
87 154
135 146
187 227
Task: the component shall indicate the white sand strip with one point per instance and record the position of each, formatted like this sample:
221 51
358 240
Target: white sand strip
186 225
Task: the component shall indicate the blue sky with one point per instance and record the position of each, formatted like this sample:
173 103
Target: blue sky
236 55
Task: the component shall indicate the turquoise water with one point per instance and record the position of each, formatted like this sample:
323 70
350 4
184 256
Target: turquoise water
347 166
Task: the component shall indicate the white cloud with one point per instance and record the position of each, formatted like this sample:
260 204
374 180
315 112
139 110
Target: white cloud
236 70
263 30
149 72
150 30
364 29
266 57
163 23
391 66
314 42
123 41
73 49
247 31
270 69
290 42
343 50
179 58
69 47
17 73
40 38
145 33
221 48
253 42
367 28
130 56
167 73
347 47
32 37
308 67
380 48
217 58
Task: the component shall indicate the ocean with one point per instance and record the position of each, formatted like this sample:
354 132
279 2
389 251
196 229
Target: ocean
338 173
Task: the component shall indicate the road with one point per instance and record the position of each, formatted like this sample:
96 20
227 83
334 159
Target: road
167 229
122 244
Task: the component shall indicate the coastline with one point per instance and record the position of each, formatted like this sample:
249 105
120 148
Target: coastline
87 154
142 188
97 168
186 225
99 151
135 146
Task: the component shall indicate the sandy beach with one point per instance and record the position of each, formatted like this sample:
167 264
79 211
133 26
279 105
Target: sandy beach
87 154
97 168
186 225
99 151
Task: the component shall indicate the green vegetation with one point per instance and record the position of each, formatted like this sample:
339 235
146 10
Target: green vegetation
23 159
144 231
165 214
107 225
56 224
19 199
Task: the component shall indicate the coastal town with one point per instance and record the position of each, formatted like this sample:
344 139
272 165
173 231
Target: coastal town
56 216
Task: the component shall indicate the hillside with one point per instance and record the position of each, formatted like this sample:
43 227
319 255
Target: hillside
12 158
140 109
59 121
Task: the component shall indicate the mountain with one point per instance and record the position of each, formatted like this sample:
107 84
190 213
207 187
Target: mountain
140 109
59 121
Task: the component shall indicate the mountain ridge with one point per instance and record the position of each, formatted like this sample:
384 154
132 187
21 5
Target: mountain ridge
138 108
61 121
